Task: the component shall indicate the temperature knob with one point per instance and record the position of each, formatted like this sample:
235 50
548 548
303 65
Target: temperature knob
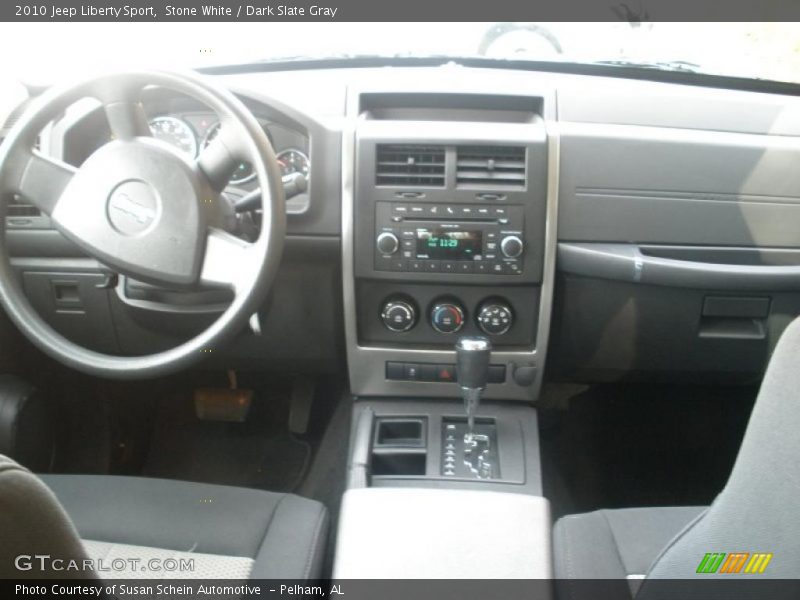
495 318
447 317
511 246
387 243
398 315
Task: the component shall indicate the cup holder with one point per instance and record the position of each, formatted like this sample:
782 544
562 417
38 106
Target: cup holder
400 433
399 447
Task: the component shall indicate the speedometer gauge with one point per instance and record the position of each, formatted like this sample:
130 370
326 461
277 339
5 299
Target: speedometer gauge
293 161
244 171
176 132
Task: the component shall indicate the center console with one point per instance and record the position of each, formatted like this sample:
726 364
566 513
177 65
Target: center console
448 230
449 237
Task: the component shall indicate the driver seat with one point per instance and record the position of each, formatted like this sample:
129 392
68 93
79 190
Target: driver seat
227 532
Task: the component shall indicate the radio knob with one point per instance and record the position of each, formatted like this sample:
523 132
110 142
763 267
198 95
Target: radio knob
398 315
387 243
512 246
447 317
495 318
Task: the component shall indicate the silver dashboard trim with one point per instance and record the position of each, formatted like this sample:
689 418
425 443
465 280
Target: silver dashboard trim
366 363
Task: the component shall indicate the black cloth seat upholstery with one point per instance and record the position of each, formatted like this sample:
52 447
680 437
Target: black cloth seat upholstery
283 534
755 514
615 544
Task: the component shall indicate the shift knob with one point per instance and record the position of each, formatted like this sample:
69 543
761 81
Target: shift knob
472 362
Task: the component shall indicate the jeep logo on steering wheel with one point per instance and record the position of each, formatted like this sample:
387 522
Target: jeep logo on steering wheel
133 207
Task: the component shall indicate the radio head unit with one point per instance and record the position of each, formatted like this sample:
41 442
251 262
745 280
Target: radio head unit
449 238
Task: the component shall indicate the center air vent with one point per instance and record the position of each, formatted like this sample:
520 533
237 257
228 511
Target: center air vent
403 164
497 166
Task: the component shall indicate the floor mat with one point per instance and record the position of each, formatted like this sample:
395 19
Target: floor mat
634 445
258 453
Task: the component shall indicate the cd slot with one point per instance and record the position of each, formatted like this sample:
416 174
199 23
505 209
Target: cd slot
426 220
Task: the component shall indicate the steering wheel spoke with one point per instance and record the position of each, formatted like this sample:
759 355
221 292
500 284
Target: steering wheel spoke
127 119
220 158
42 180
228 262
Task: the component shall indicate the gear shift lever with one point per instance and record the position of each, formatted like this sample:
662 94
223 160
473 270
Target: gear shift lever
472 372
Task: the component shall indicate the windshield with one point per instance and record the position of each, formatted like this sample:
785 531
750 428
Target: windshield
49 52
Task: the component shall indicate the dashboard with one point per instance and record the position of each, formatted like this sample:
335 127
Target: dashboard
592 230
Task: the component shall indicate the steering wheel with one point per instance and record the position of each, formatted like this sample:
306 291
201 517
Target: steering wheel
143 209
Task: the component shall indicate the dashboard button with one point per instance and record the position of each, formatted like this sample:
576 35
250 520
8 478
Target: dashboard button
411 372
428 372
387 243
465 266
498 268
417 266
445 373
495 318
397 264
395 370
483 267
432 266
447 317
448 267
399 315
497 374
512 246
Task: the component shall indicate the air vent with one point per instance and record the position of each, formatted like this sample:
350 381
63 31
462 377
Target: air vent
18 208
496 166
417 165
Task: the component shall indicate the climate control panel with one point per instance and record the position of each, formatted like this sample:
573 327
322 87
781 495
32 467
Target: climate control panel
493 317
399 315
447 317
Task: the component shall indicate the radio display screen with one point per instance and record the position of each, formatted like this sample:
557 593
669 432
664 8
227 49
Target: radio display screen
449 244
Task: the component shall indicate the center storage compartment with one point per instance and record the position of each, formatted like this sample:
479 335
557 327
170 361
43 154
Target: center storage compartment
398 464
399 447
400 432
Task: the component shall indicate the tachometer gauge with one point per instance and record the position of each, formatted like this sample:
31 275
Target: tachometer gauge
293 161
244 171
176 132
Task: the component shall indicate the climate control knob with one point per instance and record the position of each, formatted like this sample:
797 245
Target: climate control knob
511 246
447 317
387 243
399 315
495 318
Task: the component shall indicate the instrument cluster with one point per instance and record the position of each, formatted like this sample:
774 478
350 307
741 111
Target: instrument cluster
192 132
